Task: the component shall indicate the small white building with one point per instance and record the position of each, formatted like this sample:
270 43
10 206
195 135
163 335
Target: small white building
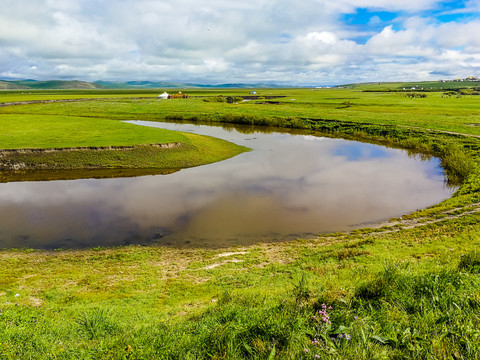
164 95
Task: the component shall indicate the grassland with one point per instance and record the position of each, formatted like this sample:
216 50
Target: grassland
410 289
78 142
444 85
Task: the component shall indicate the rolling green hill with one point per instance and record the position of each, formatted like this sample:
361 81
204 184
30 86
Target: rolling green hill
439 85
164 84
11 85
75 84
50 84
137 84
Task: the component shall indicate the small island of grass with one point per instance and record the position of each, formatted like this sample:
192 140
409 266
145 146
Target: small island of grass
56 142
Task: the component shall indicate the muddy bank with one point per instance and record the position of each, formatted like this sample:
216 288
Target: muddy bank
53 175
6 152
91 157
256 97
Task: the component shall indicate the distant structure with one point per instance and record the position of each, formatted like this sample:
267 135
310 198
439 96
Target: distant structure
253 93
178 95
470 78
164 95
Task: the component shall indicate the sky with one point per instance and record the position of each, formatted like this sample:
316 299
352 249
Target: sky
298 43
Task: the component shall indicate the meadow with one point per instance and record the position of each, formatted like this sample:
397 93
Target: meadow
80 143
406 289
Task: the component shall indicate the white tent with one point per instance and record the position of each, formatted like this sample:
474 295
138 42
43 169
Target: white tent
164 95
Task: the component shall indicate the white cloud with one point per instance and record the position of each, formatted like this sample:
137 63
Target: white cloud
220 41
324 37
398 43
389 5
459 35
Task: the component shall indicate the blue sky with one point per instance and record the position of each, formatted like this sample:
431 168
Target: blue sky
306 42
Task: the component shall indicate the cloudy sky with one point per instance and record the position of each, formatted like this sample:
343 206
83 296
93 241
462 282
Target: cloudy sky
302 42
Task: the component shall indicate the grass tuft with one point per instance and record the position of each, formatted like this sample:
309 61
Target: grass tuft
470 262
96 323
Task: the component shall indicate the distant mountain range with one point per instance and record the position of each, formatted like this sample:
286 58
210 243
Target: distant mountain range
51 84
30 84
75 84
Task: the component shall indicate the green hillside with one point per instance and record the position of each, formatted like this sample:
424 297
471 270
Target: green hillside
439 85
164 84
9 85
50 84
137 84
83 85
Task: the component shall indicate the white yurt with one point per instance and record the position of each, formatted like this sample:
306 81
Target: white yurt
164 95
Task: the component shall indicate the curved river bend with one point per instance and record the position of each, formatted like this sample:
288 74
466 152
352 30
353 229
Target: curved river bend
289 186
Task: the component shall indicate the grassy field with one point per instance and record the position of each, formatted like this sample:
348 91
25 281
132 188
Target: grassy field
407 289
73 136
444 85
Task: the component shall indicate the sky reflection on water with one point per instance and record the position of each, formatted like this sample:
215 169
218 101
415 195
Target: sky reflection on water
289 186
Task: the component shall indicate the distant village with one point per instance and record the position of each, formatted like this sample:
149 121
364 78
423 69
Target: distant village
470 78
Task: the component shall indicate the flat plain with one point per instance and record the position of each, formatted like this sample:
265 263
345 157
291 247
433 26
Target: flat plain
409 288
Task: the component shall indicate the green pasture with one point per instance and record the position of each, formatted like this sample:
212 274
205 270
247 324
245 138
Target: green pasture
7 96
438 85
35 131
436 111
407 290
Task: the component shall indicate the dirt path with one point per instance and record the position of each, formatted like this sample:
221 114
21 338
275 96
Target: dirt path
402 224
443 132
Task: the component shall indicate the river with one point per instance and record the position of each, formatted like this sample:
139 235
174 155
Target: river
289 186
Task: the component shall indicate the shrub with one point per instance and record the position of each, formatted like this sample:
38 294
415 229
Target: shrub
414 95
218 99
233 99
457 163
470 262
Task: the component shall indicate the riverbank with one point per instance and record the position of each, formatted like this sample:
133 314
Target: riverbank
412 292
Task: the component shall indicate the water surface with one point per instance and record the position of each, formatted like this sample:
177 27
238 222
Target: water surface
289 186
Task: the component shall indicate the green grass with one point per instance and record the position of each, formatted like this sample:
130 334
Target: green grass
60 131
432 112
403 294
425 125
419 85
421 300
38 131
8 96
